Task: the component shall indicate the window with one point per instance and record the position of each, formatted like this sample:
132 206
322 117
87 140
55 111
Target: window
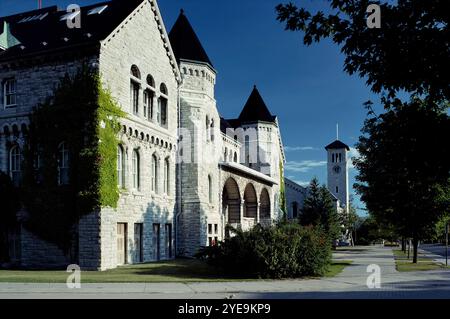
207 128
235 159
210 193
156 241
148 104
212 131
63 164
136 170
340 157
154 180
166 176
337 189
163 89
134 88
150 81
134 92
9 93
168 240
332 158
138 244
15 165
161 114
212 240
120 167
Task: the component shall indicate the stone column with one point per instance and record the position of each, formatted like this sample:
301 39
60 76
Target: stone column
241 211
258 209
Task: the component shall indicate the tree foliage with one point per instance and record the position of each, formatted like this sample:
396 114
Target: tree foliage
319 210
286 250
404 167
408 53
85 117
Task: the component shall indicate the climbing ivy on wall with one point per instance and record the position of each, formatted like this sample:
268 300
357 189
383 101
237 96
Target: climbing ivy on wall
85 117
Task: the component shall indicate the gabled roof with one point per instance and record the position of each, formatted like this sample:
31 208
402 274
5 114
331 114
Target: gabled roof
185 43
46 29
337 145
255 109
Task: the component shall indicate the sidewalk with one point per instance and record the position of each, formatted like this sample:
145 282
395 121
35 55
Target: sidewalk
351 283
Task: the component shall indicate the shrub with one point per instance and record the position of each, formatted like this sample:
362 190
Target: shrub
287 250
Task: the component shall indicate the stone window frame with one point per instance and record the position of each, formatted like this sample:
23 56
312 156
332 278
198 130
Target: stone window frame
15 164
162 112
210 189
136 169
135 87
166 179
10 94
154 173
121 166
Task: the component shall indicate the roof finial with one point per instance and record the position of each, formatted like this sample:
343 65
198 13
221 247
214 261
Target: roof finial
337 131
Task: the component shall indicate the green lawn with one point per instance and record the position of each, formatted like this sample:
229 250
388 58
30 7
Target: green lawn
179 270
337 267
402 263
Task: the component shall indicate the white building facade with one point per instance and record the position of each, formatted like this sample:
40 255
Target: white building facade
184 172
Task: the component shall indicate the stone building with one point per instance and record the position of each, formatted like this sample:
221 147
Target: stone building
184 172
295 198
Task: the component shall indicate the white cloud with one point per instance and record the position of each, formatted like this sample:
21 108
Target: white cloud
353 153
303 166
299 148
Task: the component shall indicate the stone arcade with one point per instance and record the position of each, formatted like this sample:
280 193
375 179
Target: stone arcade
184 172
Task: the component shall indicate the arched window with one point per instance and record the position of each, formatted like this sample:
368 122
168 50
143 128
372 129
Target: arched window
15 165
154 181
166 176
134 89
63 164
207 128
163 89
136 170
212 131
332 158
150 81
120 167
210 191
135 72
235 159
225 155
340 157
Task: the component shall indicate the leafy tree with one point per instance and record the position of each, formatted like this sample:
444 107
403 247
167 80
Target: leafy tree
9 200
319 210
404 167
311 211
408 53
330 220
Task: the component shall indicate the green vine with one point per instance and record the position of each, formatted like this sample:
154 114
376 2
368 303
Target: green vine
84 116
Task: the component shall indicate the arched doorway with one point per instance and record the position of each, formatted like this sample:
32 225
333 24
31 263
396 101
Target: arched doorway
265 204
251 201
231 202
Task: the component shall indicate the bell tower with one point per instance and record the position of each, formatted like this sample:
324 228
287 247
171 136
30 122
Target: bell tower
337 167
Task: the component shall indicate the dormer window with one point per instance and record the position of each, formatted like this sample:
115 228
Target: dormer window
10 93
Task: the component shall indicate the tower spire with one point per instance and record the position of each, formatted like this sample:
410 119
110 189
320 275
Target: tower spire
337 131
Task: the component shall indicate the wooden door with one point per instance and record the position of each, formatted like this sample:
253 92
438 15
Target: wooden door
121 244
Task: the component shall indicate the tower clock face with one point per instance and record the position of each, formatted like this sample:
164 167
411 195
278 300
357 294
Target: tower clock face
337 169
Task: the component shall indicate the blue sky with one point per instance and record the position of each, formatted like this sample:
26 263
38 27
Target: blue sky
304 86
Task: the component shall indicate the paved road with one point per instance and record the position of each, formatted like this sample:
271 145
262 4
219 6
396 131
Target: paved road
435 251
350 284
